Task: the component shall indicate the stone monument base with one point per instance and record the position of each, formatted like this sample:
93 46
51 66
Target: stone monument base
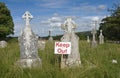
72 64
51 38
94 44
29 63
72 59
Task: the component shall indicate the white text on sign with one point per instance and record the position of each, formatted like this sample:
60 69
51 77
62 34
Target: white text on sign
62 47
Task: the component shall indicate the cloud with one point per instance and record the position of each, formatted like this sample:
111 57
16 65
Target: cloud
41 25
102 7
96 18
58 24
84 8
51 3
89 8
54 21
45 22
84 23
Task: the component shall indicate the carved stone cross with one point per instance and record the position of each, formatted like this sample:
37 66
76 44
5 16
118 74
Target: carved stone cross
68 25
27 16
93 33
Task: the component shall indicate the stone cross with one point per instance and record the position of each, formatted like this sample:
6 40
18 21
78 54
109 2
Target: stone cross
93 33
73 59
28 42
101 38
69 25
27 16
94 43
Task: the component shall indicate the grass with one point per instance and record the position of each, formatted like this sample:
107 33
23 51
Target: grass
96 62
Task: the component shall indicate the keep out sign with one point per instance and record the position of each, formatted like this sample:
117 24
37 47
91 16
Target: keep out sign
62 48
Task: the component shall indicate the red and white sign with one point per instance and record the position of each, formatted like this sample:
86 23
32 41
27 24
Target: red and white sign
62 48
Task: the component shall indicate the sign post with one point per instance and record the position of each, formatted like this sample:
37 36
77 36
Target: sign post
62 48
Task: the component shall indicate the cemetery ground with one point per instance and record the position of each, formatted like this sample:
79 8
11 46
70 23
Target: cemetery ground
96 62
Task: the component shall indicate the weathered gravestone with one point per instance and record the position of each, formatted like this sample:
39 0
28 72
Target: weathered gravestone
88 39
50 37
94 43
41 44
73 59
28 42
101 38
3 44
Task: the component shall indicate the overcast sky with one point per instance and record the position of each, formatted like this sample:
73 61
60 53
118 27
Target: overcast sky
48 14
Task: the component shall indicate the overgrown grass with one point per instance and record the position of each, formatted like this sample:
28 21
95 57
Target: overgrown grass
96 62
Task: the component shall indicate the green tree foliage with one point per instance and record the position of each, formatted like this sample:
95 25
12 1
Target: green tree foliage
6 21
111 24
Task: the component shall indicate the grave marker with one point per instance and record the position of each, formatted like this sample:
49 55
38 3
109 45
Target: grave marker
101 38
94 43
88 39
28 42
72 59
41 44
3 44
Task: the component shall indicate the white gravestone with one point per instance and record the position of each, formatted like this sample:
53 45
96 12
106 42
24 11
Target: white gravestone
28 42
73 59
101 38
94 43
3 44
88 39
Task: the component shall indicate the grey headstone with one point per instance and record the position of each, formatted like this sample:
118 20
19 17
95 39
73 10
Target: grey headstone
73 59
88 39
101 38
94 43
28 42
3 44
50 38
41 44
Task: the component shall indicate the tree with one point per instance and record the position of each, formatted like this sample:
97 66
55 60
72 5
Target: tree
6 21
111 24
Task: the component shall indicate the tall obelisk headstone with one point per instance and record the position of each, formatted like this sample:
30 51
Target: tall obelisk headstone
73 59
28 42
101 38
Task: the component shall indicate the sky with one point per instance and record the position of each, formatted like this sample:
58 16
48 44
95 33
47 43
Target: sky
50 14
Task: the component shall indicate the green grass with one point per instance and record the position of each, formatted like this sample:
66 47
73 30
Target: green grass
96 62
